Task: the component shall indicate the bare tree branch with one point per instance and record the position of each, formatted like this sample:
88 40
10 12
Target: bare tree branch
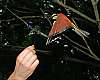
97 1
64 2
38 32
46 17
96 12
76 11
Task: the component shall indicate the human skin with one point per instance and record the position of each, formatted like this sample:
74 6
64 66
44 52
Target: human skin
26 64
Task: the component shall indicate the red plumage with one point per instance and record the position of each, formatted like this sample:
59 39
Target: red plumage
62 23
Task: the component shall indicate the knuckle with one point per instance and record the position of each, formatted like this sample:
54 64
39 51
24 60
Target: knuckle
19 58
33 46
38 61
27 66
34 51
35 56
30 47
30 53
22 62
27 49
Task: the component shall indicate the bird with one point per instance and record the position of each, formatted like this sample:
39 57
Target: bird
62 23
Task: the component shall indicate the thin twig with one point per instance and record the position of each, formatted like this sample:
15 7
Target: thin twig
23 17
75 42
38 32
21 47
90 48
92 56
76 11
87 54
16 16
26 23
82 36
46 17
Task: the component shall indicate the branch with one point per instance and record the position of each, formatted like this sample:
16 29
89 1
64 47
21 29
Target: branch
26 23
46 17
76 11
97 1
23 17
94 3
64 2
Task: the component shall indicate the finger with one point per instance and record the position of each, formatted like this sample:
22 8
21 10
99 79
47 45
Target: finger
24 52
33 46
34 65
31 60
28 57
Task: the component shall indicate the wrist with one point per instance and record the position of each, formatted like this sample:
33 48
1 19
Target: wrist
15 77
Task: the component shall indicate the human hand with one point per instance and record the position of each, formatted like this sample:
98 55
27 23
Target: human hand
25 64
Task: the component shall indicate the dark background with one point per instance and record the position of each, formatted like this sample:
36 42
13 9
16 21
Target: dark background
14 38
